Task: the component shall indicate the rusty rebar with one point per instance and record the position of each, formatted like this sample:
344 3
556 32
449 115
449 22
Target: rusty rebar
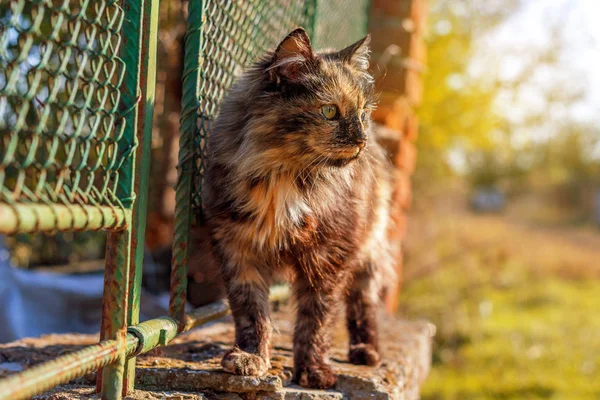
140 339
220 308
50 217
153 333
40 378
146 38
185 168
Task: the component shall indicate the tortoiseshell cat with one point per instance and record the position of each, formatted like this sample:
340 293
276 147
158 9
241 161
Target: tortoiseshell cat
296 188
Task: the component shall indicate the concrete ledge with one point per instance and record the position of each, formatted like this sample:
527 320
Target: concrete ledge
189 368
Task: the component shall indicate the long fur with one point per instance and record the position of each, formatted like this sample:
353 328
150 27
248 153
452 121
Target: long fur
292 195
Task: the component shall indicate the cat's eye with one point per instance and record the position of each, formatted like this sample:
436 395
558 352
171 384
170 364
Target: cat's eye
329 111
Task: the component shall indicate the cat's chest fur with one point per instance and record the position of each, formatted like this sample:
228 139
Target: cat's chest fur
284 208
277 210
277 206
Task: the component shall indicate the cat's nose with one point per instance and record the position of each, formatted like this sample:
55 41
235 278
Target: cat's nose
360 142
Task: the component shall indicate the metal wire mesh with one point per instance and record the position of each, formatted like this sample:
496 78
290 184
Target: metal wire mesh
60 121
233 35
339 23
236 32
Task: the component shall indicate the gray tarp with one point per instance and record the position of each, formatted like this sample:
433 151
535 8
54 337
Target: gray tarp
35 303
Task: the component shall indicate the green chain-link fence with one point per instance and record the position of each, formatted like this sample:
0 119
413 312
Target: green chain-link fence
60 125
76 103
232 36
338 23
234 33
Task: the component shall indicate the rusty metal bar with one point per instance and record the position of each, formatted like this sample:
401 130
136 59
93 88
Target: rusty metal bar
114 310
29 218
160 331
218 309
143 157
121 248
186 167
279 293
153 333
40 378
207 313
140 339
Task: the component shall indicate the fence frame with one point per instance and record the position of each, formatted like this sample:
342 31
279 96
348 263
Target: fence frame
125 225
122 336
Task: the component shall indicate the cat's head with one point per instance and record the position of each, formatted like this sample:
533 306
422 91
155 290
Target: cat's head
315 107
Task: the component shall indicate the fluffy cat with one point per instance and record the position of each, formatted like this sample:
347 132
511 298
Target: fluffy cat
297 188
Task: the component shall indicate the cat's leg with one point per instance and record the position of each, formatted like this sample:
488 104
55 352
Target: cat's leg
249 301
317 302
361 318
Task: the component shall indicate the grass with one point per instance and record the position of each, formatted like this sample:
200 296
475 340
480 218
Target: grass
517 307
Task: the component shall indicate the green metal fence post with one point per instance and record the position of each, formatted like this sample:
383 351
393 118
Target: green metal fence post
142 170
114 310
122 272
186 167
310 15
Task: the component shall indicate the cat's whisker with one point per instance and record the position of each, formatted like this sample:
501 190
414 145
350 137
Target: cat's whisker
323 161
315 166
302 172
373 172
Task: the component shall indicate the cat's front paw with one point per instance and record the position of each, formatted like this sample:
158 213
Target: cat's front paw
315 376
363 354
240 362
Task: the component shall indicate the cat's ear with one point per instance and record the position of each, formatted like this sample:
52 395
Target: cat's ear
292 54
357 54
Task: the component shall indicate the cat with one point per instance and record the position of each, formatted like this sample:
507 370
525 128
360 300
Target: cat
297 188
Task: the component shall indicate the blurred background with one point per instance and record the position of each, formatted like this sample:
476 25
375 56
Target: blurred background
498 107
503 242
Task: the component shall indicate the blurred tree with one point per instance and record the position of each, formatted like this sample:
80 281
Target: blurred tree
457 109
569 167
497 126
